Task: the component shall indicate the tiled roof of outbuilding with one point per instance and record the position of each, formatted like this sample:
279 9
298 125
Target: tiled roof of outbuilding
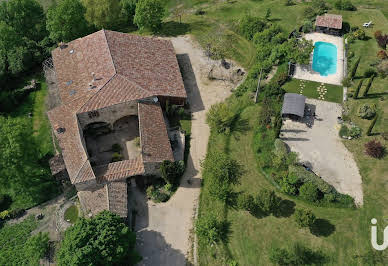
329 21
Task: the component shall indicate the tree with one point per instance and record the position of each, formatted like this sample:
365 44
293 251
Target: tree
353 71
36 247
66 21
298 50
368 86
249 25
149 14
309 192
374 149
101 240
209 229
304 217
26 17
103 13
220 117
344 5
172 171
267 201
372 124
128 8
358 89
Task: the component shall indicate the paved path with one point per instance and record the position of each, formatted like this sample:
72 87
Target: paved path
163 229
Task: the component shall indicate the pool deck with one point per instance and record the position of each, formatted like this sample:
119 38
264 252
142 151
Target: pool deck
307 73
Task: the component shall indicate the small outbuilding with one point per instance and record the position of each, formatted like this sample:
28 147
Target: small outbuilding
293 105
329 23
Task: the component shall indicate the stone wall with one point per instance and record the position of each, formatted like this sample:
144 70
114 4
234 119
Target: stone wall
109 114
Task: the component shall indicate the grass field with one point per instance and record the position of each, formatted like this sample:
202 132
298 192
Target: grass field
334 93
38 125
71 214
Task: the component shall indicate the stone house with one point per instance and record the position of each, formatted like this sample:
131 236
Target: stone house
112 88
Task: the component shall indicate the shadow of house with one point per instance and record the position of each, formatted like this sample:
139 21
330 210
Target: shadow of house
160 252
190 82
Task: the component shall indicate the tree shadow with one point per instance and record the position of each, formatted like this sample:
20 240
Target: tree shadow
5 203
173 29
322 227
286 209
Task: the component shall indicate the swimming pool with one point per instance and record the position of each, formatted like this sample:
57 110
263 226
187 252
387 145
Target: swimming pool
325 58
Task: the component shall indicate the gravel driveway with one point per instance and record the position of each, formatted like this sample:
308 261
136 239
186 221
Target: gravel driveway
321 146
164 229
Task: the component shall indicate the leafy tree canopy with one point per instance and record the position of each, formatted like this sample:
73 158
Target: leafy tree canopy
66 21
103 13
101 240
149 14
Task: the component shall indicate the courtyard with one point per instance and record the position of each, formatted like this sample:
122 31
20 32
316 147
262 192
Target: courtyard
319 147
120 141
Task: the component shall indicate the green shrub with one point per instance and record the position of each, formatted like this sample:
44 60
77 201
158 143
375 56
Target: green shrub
220 117
4 215
369 73
307 176
344 200
116 148
249 25
209 229
280 148
344 131
358 89
307 26
304 217
267 201
172 171
289 3
329 198
367 111
344 5
297 254
346 82
353 70
16 213
359 34
309 191
355 132
372 124
137 141
368 85
246 202
290 184
116 157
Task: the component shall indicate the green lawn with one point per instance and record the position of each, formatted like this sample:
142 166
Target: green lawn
71 214
39 127
334 93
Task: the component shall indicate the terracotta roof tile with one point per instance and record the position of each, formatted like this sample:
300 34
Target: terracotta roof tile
117 198
154 140
95 200
119 170
329 21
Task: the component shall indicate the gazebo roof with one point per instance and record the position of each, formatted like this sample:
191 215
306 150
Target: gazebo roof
329 21
293 104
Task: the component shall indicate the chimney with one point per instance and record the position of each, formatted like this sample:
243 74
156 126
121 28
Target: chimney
94 76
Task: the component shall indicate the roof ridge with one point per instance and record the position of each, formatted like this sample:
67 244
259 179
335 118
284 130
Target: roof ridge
110 53
140 87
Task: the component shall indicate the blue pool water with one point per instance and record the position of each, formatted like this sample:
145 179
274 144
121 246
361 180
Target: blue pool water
325 58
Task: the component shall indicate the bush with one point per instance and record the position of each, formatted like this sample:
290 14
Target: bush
209 229
367 111
344 5
172 171
368 86
344 131
374 149
116 148
220 117
280 148
382 39
289 3
304 218
355 132
16 213
116 157
307 26
246 202
149 14
372 124
290 184
359 34
369 73
137 141
353 70
309 191
4 215
267 201
249 25
382 54
346 82
382 68
307 176
296 255
358 89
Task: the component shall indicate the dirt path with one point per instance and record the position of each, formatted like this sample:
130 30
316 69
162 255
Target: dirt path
163 230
